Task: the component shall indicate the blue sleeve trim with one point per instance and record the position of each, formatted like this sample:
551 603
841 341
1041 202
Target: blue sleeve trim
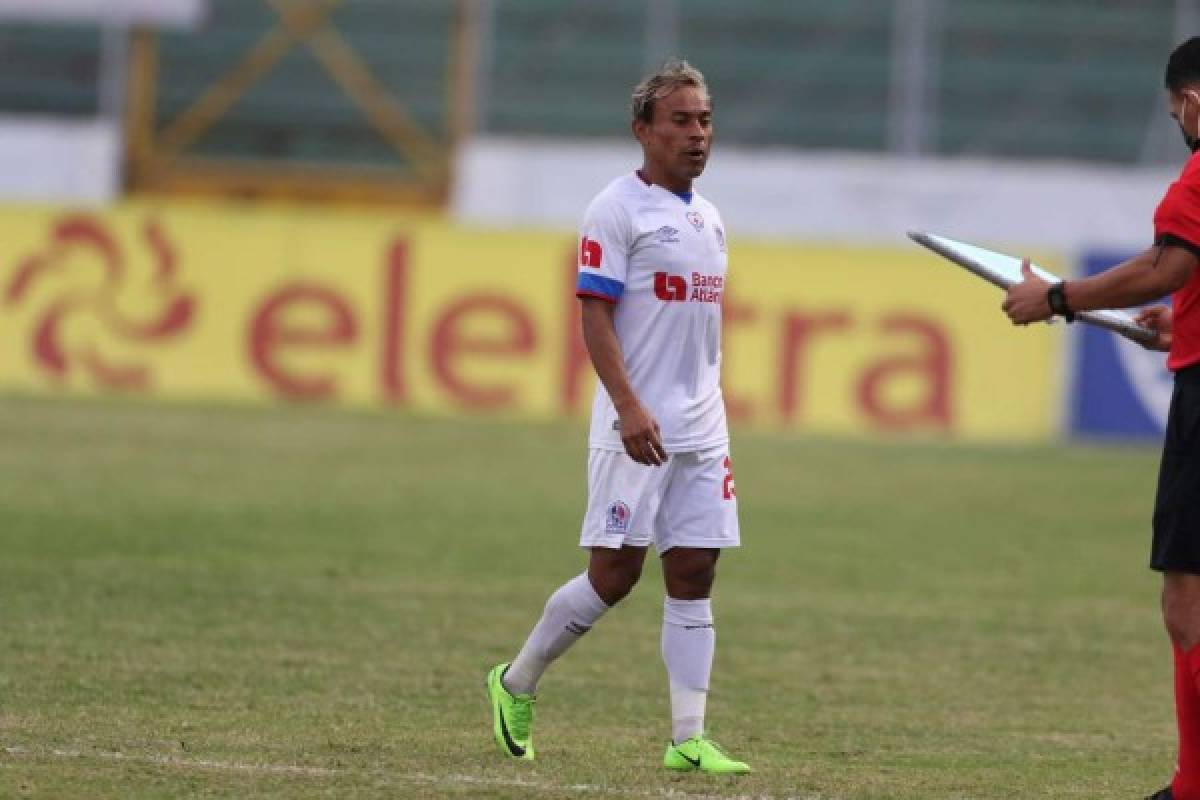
598 284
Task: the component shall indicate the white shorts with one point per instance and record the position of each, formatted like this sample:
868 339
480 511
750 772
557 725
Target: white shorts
688 502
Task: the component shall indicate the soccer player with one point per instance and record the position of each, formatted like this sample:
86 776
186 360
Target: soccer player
1169 266
652 260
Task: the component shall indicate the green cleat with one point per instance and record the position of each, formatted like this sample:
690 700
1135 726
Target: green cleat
699 753
512 716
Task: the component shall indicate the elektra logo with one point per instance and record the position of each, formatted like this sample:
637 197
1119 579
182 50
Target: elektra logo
98 301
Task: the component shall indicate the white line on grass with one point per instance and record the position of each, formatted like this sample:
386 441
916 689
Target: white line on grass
172 761
450 779
590 789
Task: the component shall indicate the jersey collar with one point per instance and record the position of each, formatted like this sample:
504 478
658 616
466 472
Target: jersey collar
686 197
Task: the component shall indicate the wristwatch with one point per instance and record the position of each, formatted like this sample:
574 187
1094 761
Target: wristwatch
1056 296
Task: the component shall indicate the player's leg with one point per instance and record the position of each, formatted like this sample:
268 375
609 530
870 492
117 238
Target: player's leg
688 646
699 517
614 572
617 527
688 636
622 503
572 611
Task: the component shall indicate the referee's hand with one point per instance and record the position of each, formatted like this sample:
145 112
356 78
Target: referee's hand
641 436
1026 301
1158 319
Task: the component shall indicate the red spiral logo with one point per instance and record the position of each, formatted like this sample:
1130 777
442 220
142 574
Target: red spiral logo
83 272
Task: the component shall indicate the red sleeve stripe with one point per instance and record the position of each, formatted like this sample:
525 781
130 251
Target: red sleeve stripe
597 295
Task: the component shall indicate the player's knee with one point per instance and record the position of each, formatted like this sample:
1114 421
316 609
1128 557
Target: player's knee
690 576
692 587
614 581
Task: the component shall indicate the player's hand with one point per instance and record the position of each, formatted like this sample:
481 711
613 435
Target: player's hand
641 435
1158 319
1026 301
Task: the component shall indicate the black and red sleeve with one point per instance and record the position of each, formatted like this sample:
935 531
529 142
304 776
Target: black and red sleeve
1177 218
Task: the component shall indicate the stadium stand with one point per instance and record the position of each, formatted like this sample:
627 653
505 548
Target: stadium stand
1007 78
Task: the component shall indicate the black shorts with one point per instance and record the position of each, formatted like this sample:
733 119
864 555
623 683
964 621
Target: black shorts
1176 544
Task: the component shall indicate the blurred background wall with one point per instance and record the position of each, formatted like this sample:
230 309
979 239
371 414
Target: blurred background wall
171 169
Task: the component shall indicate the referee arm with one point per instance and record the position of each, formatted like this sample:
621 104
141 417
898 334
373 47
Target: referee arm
1153 273
640 433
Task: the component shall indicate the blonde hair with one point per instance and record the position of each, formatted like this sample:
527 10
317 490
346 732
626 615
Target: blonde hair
669 77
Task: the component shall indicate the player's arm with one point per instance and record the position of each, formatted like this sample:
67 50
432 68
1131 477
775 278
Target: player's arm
639 430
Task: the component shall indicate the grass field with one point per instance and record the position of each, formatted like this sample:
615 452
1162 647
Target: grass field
302 603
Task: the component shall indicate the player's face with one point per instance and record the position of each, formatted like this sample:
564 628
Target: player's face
678 139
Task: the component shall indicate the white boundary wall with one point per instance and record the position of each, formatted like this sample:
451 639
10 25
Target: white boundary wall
56 160
177 13
836 197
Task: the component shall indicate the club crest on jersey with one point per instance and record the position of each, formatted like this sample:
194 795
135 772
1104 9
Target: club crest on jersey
667 235
720 237
696 220
617 519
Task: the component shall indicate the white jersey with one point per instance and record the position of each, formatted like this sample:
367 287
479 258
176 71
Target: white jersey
660 257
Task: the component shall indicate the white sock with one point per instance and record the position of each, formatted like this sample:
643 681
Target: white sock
570 613
688 642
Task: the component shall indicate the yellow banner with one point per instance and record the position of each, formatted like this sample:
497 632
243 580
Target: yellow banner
262 303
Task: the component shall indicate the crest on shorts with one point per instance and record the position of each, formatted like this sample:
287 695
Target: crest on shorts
617 518
696 220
